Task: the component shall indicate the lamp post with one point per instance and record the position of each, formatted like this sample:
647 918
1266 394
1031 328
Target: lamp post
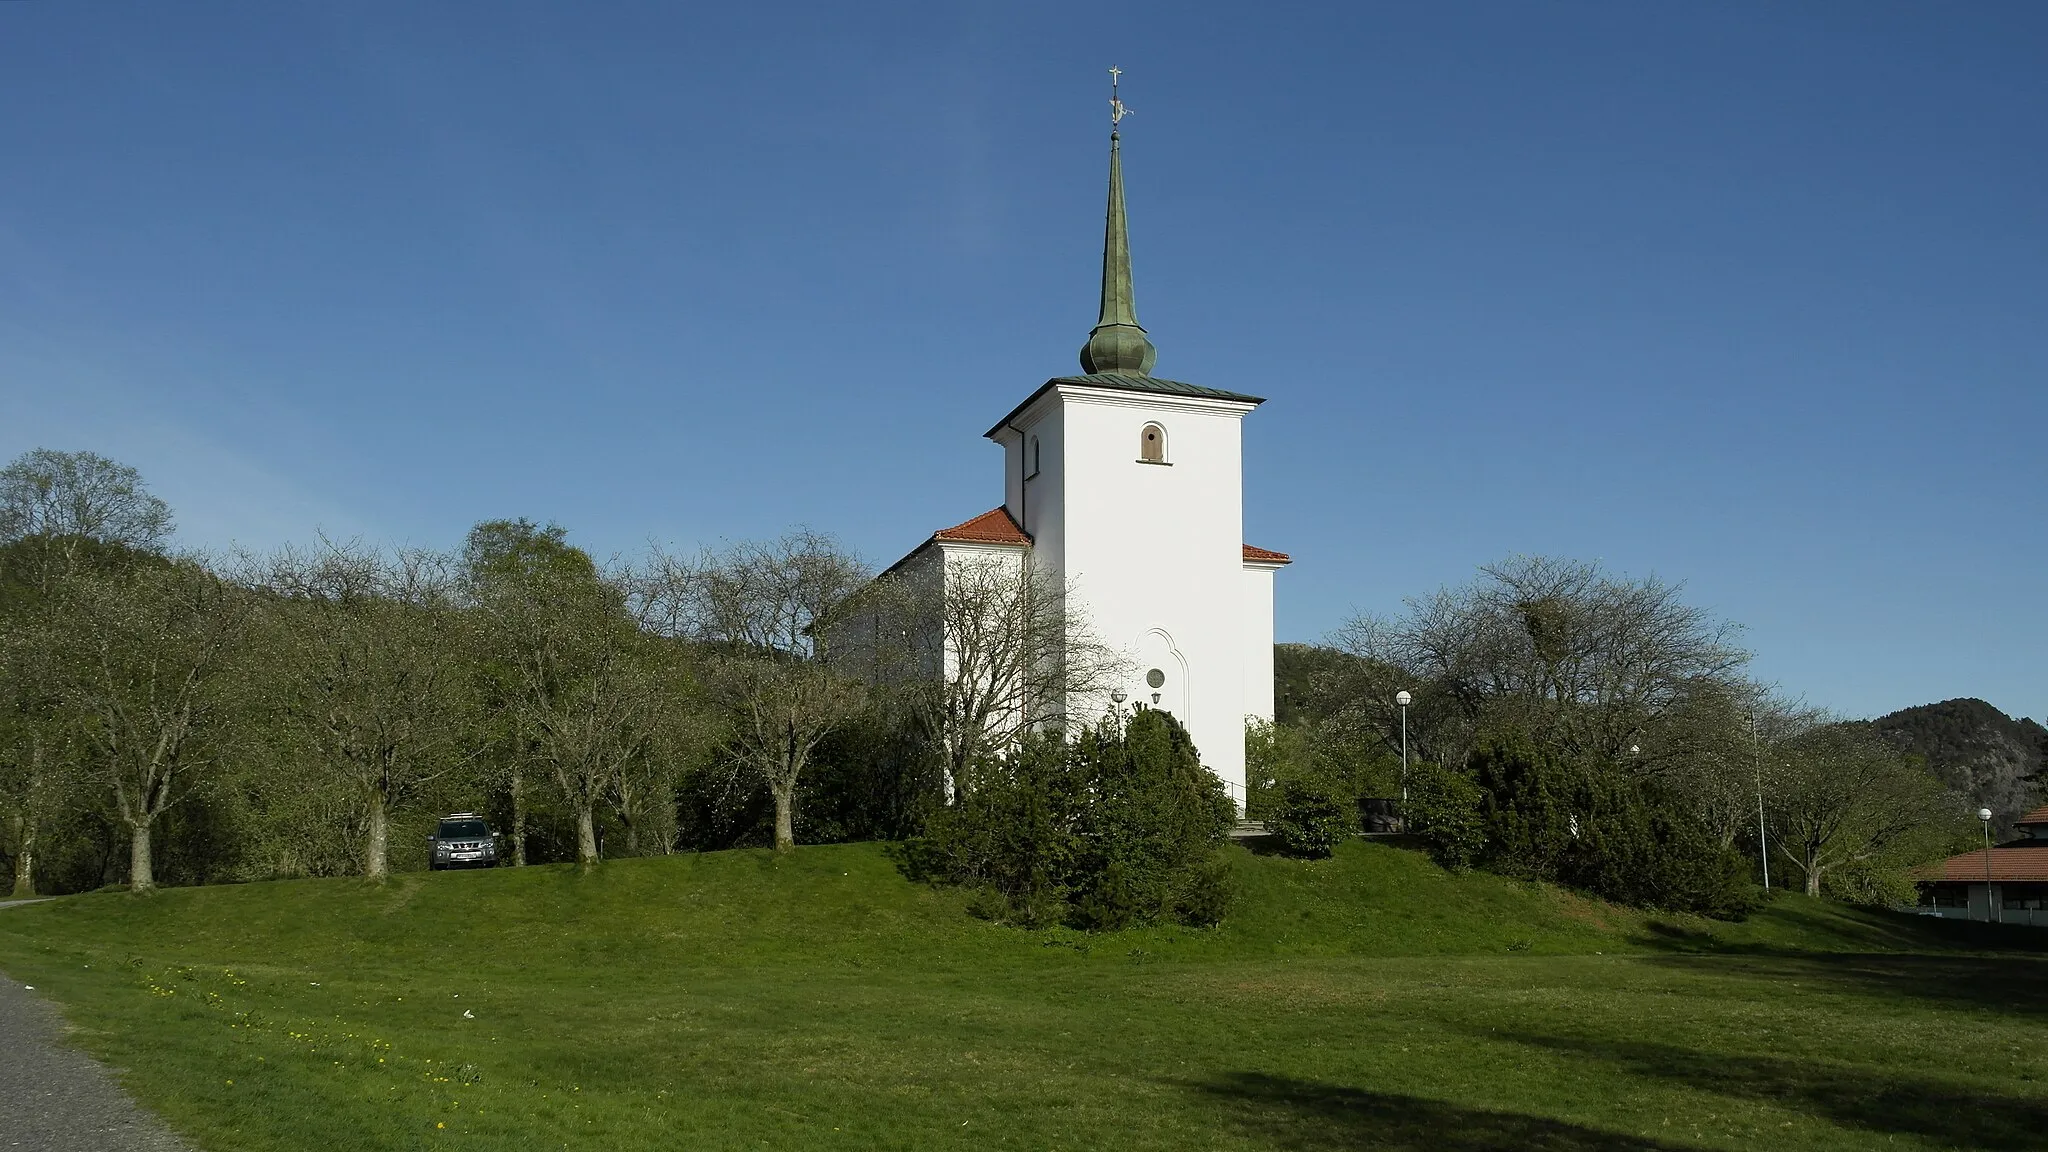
1756 759
1984 815
1403 699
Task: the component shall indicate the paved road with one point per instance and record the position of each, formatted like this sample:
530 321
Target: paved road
53 1098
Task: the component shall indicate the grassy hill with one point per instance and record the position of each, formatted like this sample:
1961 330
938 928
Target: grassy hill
736 1000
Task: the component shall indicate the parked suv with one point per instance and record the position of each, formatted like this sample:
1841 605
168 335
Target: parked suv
462 840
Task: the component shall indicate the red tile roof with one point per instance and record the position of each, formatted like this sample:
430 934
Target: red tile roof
2037 816
994 526
2007 865
1265 555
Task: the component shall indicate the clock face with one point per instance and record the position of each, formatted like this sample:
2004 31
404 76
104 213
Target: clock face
1155 678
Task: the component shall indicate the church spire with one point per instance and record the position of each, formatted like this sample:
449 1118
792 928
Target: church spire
1117 344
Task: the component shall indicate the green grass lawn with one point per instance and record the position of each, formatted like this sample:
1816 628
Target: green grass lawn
735 1000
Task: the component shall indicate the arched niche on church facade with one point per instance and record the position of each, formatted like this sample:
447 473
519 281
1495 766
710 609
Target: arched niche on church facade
1163 672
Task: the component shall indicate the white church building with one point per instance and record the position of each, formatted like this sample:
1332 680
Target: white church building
1129 490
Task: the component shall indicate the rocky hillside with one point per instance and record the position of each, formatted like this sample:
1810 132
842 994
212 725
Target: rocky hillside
1981 752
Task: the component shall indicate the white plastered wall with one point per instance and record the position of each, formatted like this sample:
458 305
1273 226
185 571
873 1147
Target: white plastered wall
1153 552
1258 640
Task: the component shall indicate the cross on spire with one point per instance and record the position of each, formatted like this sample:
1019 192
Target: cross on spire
1117 111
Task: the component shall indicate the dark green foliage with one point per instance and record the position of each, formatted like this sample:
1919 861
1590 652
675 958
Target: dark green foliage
1312 814
1547 818
1119 826
1444 809
873 779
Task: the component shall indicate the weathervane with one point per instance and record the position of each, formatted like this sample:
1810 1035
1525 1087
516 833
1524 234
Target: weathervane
1117 111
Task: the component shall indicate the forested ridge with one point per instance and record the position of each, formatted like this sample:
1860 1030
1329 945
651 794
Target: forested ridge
1993 759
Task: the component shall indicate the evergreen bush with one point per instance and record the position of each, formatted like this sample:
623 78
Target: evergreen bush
1604 831
1443 808
1118 826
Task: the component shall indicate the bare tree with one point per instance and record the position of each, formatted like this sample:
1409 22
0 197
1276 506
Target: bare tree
984 648
151 679
372 674
1582 660
763 609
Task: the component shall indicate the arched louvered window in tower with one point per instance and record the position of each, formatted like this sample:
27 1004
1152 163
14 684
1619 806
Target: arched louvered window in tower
1152 444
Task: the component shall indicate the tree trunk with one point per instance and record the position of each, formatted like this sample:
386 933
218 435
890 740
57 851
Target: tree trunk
375 854
24 858
518 823
1813 879
586 835
785 828
140 876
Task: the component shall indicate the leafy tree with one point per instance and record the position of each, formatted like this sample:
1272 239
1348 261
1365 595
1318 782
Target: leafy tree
1841 799
503 561
38 761
153 681
61 501
1304 799
586 685
372 674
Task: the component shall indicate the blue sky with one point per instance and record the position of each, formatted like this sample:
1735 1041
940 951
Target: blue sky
1753 296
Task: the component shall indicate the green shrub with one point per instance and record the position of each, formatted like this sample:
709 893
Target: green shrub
1605 831
1304 796
1443 808
1118 826
1312 815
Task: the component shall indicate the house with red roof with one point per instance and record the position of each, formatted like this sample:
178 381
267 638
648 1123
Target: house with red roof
2007 882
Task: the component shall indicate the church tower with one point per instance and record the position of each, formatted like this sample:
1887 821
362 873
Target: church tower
1130 488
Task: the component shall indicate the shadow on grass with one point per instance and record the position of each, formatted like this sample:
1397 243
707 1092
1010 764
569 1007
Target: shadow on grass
1304 1116
2007 984
1956 1117
1794 924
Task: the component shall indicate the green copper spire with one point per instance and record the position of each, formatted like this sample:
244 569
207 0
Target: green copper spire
1117 344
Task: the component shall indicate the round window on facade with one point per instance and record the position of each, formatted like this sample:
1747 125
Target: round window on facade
1155 679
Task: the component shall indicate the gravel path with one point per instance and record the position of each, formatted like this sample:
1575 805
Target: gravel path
54 1098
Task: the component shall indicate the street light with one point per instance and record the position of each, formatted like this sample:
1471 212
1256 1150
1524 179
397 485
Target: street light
1403 699
1763 837
1984 814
